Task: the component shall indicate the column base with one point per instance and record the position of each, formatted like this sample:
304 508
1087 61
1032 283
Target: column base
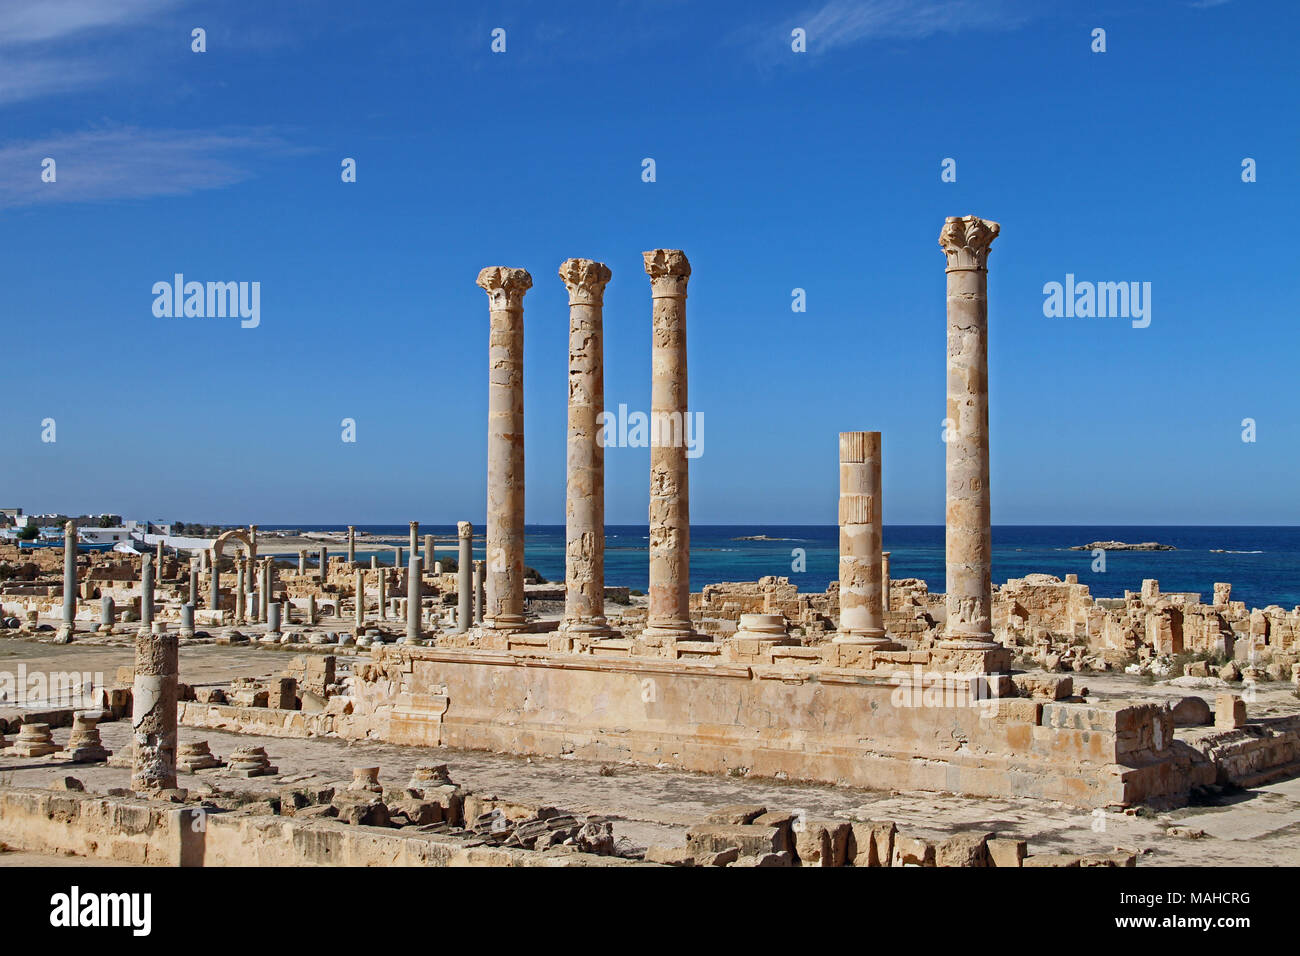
877 640
585 629
665 631
505 622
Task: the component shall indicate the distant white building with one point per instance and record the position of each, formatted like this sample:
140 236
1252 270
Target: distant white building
103 535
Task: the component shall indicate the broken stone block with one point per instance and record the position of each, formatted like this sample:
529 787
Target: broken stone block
1229 712
871 843
784 824
1006 852
1192 712
963 849
1044 686
735 815
670 856
751 840
912 851
1052 859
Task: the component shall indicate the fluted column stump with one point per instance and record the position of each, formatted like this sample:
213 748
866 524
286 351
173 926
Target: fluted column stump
669 615
584 514
966 242
153 711
862 617
505 495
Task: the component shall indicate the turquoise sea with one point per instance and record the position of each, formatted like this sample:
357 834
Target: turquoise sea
1262 563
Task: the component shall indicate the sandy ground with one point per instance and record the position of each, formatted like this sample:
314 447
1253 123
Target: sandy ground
1260 826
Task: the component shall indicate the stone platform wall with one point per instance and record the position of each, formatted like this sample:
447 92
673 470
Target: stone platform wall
836 725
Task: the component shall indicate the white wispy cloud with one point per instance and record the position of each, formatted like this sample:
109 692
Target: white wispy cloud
49 47
131 163
39 21
843 23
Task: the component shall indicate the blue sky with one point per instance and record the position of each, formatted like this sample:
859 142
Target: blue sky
775 170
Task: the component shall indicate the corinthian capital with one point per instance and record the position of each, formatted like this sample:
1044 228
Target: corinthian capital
668 269
966 240
585 279
505 287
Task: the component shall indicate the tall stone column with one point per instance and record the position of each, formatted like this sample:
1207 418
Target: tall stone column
159 559
302 561
477 584
383 593
241 594
584 515
146 591
252 548
214 583
966 242
361 599
670 524
264 600
153 711
70 574
397 556
194 585
413 598
428 553
415 538
464 597
324 566
862 619
352 544
505 496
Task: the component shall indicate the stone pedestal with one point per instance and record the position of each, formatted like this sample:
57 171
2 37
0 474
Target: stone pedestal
33 740
966 242
505 498
862 618
464 571
195 756
669 615
84 743
584 565
153 712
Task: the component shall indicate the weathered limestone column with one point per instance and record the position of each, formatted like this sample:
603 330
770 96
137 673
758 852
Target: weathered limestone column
966 242
187 620
264 587
160 555
352 544
361 599
415 538
464 598
273 618
146 591
413 598
70 574
584 514
670 526
252 548
476 583
302 561
241 595
862 619
397 556
505 479
214 583
324 565
107 611
153 711
194 585
428 553
382 573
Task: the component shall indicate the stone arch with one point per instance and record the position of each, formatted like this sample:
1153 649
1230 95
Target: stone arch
234 534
